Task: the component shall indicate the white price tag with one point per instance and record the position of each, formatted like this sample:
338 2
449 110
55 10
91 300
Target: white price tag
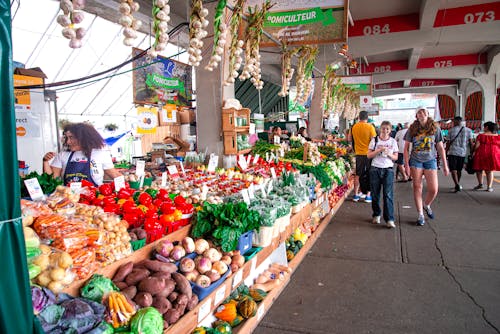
251 191
34 189
267 156
255 159
246 198
263 189
212 162
277 140
75 187
270 187
140 167
230 174
282 152
119 182
204 309
243 163
253 265
273 172
164 179
237 278
204 192
172 170
249 157
260 312
220 294
182 168
141 181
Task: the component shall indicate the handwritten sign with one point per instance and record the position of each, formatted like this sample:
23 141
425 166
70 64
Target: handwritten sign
34 189
205 309
212 162
75 187
163 179
219 295
238 276
119 182
246 197
140 167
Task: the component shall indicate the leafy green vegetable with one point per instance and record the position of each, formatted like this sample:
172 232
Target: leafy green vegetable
46 181
147 320
261 147
97 287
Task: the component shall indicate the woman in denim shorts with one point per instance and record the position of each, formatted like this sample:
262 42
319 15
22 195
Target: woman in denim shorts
425 138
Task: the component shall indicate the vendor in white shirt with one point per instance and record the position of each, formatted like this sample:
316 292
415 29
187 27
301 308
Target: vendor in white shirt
84 157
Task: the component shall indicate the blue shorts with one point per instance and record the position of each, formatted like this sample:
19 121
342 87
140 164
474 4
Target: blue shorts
431 164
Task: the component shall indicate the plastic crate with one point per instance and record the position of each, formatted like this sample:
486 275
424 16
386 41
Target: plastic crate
251 253
203 292
245 242
138 244
264 237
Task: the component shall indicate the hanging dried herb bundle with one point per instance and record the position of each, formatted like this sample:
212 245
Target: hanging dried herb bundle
286 68
197 25
161 17
235 48
253 37
307 59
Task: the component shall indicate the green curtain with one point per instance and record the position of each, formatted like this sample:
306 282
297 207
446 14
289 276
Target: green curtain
16 310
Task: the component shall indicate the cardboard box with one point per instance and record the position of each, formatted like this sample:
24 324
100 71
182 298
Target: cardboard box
30 72
168 115
187 116
183 146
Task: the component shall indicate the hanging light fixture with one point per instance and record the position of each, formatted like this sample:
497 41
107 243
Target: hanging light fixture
343 51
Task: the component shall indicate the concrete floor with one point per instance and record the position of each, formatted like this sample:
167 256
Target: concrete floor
363 278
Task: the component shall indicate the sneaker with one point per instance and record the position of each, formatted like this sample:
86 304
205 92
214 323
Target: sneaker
376 220
390 224
356 198
368 199
458 188
428 211
362 196
420 221
478 187
490 189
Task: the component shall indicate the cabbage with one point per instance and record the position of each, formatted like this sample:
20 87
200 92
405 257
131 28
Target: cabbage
147 320
97 287
41 298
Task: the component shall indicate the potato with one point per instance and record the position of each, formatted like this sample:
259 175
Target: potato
65 261
182 284
168 289
136 276
172 316
42 261
162 304
153 285
155 265
46 250
143 299
57 274
54 259
55 286
130 292
123 271
44 278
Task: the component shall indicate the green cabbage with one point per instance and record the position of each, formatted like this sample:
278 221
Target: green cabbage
147 321
97 287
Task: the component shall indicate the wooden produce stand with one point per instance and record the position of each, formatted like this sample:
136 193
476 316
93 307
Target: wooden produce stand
189 321
235 122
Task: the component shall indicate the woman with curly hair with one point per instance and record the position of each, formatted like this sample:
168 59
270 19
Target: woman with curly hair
83 157
425 138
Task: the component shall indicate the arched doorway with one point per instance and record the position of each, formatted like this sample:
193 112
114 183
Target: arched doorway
474 110
447 109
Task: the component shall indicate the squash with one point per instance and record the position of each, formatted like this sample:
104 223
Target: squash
247 308
257 294
226 312
290 255
222 327
199 330
236 321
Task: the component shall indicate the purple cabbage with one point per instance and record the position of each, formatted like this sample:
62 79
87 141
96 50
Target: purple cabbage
41 298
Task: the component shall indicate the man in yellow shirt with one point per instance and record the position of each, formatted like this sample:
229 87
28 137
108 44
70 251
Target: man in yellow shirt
362 132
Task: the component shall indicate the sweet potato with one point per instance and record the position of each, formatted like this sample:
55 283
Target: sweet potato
172 316
155 265
182 284
136 276
173 296
121 285
130 292
192 302
162 304
162 274
168 289
143 299
153 285
181 303
123 271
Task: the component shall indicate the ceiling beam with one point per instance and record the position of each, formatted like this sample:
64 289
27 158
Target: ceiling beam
456 72
414 57
428 11
407 83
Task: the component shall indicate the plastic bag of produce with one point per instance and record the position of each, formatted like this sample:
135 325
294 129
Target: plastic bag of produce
147 320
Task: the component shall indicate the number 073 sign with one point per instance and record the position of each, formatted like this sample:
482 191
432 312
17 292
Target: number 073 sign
300 22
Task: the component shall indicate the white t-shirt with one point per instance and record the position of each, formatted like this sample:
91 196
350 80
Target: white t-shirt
379 160
400 138
100 161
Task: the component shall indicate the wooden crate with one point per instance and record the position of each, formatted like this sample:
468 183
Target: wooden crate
147 140
230 142
230 116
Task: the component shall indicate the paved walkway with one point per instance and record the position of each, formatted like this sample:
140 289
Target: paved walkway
363 278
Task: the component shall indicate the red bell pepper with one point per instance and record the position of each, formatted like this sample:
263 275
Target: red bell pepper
106 189
128 206
88 184
125 193
157 202
114 208
145 199
108 200
163 195
167 208
179 200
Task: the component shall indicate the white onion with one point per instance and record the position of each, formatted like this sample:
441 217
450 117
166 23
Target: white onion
75 43
204 12
124 8
136 24
63 20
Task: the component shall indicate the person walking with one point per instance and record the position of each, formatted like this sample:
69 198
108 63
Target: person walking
486 155
362 132
83 157
425 137
383 150
459 137
400 139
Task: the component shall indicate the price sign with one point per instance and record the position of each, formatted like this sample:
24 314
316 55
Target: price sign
267 156
253 265
172 170
204 192
251 191
163 179
249 157
220 294
182 168
270 187
243 163
273 172
263 189
119 182
139 167
277 140
75 187
205 309
237 278
282 152
213 162
246 198
260 312
34 189
255 159
141 181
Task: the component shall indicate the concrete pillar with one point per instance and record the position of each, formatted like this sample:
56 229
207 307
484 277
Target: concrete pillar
316 112
487 83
